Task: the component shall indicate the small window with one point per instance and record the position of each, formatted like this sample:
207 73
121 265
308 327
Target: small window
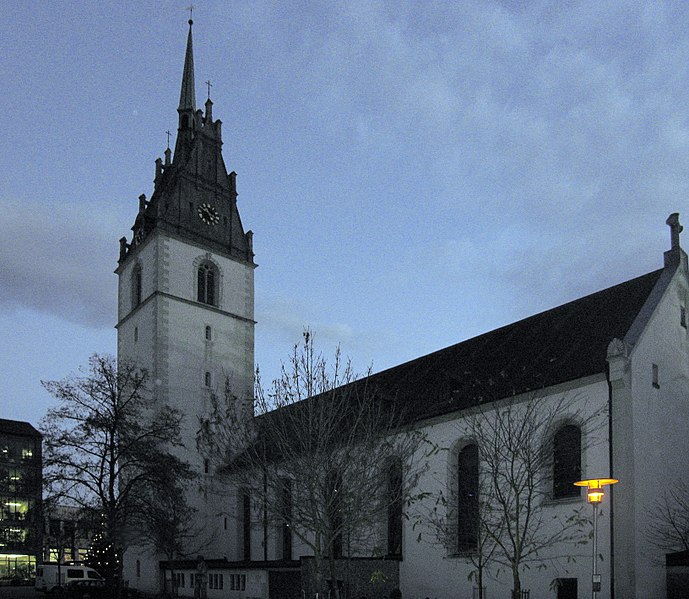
656 379
683 316
225 523
206 466
136 334
566 588
207 379
208 333
138 569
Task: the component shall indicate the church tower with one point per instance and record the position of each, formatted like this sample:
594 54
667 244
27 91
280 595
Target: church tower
186 284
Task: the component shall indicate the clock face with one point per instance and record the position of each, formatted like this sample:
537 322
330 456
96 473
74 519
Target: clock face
208 214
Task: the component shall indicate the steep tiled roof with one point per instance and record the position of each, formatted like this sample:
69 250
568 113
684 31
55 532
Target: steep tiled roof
559 345
17 427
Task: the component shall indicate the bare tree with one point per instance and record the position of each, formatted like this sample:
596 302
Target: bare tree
668 520
315 457
168 524
508 522
515 451
477 545
106 445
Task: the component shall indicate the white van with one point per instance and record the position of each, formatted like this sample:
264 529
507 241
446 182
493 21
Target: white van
52 576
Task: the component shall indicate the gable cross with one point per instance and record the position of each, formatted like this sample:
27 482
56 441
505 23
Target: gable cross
675 229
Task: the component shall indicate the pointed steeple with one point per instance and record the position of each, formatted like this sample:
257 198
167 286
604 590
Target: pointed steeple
187 97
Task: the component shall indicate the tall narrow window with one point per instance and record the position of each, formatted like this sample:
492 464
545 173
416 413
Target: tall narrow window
334 510
205 284
566 461
467 499
208 333
286 509
246 526
207 379
683 316
655 376
394 508
136 286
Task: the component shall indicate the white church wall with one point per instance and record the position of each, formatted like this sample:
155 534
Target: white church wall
659 420
428 568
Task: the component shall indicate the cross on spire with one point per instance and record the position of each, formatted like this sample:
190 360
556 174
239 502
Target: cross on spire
190 8
168 138
209 84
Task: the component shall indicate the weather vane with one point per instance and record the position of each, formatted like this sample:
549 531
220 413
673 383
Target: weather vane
209 84
190 8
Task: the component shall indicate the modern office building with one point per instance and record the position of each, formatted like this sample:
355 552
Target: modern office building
20 501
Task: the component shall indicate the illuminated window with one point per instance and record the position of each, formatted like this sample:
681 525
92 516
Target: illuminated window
566 461
27 453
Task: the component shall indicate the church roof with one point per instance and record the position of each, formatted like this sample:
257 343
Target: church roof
18 427
559 345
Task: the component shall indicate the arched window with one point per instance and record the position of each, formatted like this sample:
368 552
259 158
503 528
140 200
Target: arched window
394 507
136 286
566 461
206 280
467 499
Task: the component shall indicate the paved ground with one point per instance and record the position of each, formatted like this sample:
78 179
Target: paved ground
19 593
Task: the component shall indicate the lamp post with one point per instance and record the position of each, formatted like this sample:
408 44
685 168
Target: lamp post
594 495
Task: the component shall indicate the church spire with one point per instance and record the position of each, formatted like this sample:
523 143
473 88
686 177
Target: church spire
187 97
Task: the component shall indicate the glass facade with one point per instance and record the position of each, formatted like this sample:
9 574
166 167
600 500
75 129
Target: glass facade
20 501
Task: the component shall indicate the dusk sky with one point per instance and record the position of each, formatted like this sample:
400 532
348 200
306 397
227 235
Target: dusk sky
415 173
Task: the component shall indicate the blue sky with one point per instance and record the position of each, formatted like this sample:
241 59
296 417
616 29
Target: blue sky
415 173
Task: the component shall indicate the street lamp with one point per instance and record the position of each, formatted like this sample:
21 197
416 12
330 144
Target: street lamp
594 495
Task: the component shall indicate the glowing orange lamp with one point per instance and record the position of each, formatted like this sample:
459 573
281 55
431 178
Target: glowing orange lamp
594 495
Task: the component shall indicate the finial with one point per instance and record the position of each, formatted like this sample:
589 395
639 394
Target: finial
168 139
209 84
190 8
675 229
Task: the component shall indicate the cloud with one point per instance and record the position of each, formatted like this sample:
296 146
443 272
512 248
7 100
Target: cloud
59 261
